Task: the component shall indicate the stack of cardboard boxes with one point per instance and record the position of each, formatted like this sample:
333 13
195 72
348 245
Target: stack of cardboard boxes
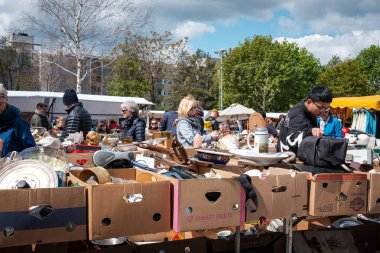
104 211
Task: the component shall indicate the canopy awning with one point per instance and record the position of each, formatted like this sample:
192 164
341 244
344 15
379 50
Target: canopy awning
26 101
236 111
367 102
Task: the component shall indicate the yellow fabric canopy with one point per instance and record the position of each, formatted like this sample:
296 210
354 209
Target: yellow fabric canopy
367 102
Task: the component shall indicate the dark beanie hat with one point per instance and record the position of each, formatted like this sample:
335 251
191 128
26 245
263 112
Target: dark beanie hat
70 97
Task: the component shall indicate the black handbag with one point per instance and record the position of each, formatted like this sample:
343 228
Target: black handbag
322 151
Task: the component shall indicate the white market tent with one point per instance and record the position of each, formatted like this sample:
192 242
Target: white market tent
99 106
236 111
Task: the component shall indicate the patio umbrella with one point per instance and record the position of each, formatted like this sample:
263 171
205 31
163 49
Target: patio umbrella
236 111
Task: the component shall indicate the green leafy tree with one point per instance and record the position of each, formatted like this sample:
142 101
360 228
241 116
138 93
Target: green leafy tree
195 75
153 57
126 78
345 79
267 75
369 63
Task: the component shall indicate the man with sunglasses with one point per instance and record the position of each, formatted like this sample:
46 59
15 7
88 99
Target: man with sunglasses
301 120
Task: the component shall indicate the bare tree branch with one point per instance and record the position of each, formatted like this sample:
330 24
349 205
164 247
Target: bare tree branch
83 27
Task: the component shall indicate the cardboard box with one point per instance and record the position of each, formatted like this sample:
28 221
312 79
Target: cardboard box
338 194
207 203
110 214
198 245
374 192
338 241
281 194
315 223
61 215
366 236
78 158
167 143
83 159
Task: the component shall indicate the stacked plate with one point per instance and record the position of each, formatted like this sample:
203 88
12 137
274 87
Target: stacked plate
262 158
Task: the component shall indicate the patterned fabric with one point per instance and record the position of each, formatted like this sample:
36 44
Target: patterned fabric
78 120
134 127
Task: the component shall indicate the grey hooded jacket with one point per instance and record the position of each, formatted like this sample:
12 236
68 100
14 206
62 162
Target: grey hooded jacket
187 128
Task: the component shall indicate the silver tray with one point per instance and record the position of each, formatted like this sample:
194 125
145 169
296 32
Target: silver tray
36 174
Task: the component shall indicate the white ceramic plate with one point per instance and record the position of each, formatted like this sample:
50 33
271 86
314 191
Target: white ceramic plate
262 158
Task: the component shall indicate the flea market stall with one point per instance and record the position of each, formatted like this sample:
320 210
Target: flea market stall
361 113
116 195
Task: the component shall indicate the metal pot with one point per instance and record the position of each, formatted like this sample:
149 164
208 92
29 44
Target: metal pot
110 241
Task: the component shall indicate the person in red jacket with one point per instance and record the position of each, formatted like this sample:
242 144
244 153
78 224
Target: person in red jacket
113 126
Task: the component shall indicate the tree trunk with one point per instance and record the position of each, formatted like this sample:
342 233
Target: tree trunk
79 76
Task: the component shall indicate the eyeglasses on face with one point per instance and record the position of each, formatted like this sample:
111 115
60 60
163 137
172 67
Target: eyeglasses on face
124 111
321 108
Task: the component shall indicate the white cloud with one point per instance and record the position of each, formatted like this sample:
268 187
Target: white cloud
346 45
11 13
289 24
192 29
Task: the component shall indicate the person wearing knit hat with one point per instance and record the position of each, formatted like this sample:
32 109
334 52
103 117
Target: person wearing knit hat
70 97
78 118
14 130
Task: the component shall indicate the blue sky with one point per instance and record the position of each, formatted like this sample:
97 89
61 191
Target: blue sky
231 34
325 27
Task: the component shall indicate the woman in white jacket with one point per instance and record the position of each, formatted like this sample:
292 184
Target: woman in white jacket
188 128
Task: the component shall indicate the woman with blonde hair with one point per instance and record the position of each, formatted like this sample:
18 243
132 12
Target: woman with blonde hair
188 127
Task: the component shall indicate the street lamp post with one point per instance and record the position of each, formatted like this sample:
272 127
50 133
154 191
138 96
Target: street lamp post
221 52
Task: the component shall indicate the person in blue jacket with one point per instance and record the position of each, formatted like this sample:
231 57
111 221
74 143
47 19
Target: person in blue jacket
14 130
169 122
330 125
